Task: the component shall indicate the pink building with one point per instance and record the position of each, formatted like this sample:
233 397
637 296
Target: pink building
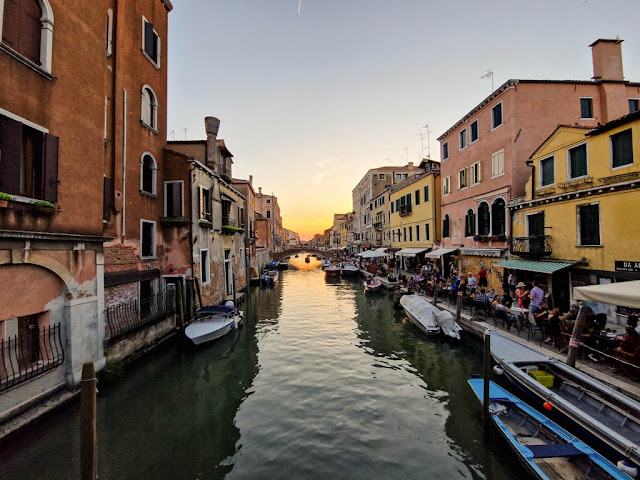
484 155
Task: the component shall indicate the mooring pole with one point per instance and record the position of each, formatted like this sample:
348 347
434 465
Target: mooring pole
458 306
574 342
180 307
88 434
487 374
436 287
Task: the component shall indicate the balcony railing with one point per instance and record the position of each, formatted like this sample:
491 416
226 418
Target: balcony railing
405 210
26 356
131 316
534 246
377 226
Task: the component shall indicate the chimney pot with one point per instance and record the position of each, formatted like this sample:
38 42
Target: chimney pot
212 125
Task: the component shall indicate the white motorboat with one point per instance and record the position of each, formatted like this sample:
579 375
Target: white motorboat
372 284
421 313
218 320
332 271
270 277
325 263
448 324
349 268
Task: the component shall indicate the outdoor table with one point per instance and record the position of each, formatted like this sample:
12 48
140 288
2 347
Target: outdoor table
519 311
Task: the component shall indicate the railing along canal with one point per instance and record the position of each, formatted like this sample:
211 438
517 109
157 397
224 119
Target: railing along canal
27 356
126 317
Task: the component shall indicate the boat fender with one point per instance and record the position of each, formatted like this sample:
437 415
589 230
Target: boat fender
629 468
547 406
233 325
497 370
453 334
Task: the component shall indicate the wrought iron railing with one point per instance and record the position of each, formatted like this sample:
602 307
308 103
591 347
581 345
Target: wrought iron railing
405 210
127 317
533 246
27 356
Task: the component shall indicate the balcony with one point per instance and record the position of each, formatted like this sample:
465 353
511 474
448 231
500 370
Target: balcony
377 226
405 210
531 247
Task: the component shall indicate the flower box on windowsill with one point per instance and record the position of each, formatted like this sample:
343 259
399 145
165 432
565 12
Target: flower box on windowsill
230 230
42 206
486 238
173 221
205 223
226 178
5 198
27 204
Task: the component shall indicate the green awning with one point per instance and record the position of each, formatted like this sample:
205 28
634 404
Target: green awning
533 266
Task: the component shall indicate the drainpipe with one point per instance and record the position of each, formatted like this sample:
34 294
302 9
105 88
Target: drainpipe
193 269
124 162
530 164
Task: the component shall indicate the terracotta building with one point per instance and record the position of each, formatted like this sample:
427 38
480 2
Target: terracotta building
484 154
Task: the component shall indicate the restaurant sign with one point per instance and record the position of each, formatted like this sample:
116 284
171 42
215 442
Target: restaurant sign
622 266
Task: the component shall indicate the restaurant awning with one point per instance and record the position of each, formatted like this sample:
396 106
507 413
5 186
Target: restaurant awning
410 252
439 252
623 294
534 266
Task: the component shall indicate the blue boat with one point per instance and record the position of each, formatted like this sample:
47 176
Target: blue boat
270 277
543 447
272 265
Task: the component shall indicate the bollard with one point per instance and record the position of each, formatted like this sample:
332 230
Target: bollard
487 373
88 427
179 306
458 306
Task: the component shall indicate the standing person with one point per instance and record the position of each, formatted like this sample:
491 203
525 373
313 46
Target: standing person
512 281
472 281
482 277
536 296
522 295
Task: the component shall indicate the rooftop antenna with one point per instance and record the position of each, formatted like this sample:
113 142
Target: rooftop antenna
185 133
388 160
406 154
427 132
489 74
173 134
421 137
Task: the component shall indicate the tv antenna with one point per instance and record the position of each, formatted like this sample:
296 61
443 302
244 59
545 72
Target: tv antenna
489 74
173 134
427 131
185 133
406 154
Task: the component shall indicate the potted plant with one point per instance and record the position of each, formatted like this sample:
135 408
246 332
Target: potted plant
205 223
5 198
43 206
226 178
173 221
230 229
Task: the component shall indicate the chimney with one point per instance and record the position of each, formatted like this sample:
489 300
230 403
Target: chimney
251 180
410 164
260 191
607 60
211 126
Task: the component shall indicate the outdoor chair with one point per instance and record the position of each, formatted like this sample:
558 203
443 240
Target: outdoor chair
528 321
483 309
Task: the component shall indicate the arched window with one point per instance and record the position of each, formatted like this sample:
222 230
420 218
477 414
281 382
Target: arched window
498 217
149 108
27 28
445 226
470 224
148 170
484 219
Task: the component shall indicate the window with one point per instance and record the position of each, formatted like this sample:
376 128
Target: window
204 200
498 224
408 199
150 43
445 150
463 180
268 200
483 219
586 108
621 149
496 116
417 233
473 131
417 195
149 108
268 213
148 170
426 193
634 105
381 176
535 224
589 224
426 231
173 200
578 166
547 171
392 205
398 176
399 237
147 239
446 185
445 226
27 28
470 223
404 234
474 173
205 267
28 160
497 164
109 32
410 234
463 138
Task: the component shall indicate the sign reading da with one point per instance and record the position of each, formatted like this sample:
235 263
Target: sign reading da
622 266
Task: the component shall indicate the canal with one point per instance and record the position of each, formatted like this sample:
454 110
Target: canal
322 381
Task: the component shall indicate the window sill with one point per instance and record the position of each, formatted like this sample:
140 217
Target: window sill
150 59
589 246
148 258
619 167
148 194
497 127
29 204
148 127
24 60
498 176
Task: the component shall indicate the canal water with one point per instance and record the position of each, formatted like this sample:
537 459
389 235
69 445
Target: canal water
322 381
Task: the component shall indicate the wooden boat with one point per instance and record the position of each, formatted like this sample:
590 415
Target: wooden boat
215 321
270 277
283 265
421 313
605 418
545 449
332 271
372 285
349 268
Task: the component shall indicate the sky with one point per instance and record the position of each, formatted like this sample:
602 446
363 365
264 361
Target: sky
311 94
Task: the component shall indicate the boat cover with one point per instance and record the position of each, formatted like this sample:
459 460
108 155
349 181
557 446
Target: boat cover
213 309
421 309
507 350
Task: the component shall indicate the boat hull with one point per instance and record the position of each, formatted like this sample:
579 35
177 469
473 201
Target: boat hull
211 328
332 272
424 329
375 287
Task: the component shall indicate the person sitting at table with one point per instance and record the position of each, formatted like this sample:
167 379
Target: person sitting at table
482 297
630 342
510 318
552 330
632 321
541 315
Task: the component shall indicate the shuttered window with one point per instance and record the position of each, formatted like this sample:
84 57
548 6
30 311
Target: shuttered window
426 193
498 224
547 171
21 28
151 42
621 149
173 199
536 224
149 108
470 224
589 224
28 161
578 161
417 194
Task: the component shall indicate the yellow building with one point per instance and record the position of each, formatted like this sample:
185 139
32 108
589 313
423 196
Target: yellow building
415 206
578 222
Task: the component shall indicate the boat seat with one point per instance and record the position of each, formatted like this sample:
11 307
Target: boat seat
555 450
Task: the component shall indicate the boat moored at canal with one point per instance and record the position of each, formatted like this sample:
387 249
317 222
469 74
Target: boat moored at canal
421 313
332 270
349 268
217 321
270 277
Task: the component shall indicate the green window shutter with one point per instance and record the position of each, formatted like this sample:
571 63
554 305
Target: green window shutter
589 224
578 159
622 149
